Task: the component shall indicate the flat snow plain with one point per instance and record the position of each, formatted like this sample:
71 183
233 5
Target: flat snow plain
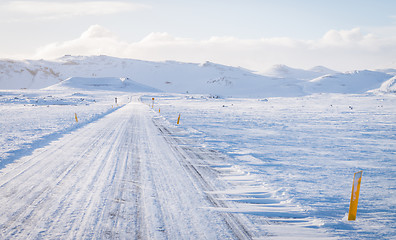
284 169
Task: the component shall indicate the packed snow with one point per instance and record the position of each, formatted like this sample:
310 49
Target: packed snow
254 156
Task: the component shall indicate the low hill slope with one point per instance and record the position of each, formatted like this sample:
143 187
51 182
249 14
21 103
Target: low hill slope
283 71
107 84
388 86
353 82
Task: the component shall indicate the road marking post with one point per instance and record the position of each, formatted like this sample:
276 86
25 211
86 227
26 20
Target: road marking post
159 110
152 106
75 116
178 119
357 178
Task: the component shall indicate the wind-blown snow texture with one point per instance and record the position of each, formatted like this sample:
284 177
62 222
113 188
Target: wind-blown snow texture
284 169
305 151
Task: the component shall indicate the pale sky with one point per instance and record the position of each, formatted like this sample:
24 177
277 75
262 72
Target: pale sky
255 34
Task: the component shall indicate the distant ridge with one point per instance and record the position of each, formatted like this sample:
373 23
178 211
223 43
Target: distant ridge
322 70
352 82
283 71
179 77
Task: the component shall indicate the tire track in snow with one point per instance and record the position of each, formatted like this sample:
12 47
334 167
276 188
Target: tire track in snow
79 187
247 206
39 189
116 178
197 170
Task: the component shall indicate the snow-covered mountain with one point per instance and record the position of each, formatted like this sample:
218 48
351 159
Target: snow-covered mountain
168 76
388 86
105 83
178 77
283 71
390 71
352 82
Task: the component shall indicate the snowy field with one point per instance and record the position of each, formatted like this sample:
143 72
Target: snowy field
305 150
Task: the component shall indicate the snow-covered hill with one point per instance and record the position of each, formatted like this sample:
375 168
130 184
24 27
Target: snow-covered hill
105 83
283 71
388 86
178 77
353 82
169 76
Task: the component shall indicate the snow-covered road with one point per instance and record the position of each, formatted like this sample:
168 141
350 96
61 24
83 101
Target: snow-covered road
117 177
132 175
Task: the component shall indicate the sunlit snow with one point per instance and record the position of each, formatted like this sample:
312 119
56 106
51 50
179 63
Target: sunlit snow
277 152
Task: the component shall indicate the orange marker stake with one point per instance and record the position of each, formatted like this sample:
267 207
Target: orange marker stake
357 178
178 119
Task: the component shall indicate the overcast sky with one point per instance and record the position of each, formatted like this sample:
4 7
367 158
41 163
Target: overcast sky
255 34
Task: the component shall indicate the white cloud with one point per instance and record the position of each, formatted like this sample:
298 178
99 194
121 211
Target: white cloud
97 31
342 37
94 41
341 50
158 37
383 31
45 10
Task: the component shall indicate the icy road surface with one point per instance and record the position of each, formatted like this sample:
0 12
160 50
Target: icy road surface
129 176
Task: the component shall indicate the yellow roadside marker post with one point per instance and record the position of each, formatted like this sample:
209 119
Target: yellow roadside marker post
357 178
75 116
178 119
152 106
